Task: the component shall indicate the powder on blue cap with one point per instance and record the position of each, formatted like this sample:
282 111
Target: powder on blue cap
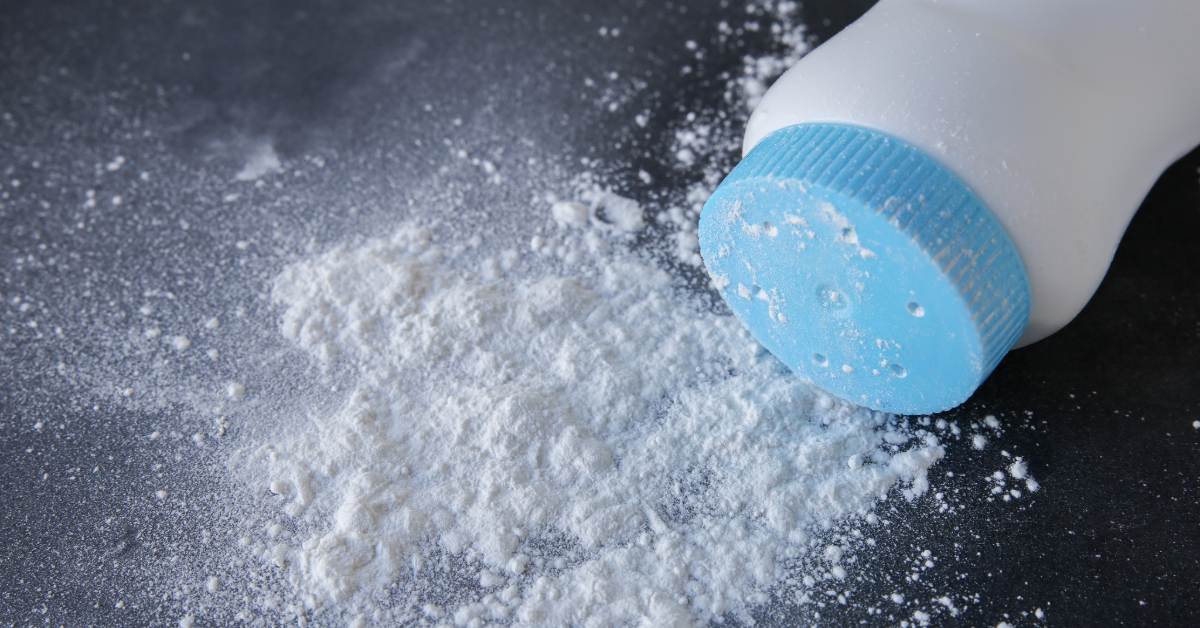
865 266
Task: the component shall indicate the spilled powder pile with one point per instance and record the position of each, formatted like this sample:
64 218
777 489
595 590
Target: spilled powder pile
587 449
566 435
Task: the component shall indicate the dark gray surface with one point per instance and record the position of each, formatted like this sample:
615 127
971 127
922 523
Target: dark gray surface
1103 410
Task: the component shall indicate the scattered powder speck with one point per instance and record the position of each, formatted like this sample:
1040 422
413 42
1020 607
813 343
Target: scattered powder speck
235 390
262 161
1018 470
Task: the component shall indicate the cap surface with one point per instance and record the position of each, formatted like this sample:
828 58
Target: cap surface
865 266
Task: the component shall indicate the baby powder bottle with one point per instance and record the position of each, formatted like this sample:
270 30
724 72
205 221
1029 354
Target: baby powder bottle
945 180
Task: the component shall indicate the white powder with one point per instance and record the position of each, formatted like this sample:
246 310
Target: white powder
568 213
499 436
605 210
235 390
262 161
571 439
604 449
623 213
1018 470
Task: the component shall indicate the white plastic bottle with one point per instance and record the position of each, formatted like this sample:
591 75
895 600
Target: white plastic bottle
947 179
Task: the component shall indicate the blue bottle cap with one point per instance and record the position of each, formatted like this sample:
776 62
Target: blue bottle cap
865 266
